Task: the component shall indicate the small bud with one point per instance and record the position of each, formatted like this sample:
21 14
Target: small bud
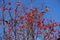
9 3
18 3
46 9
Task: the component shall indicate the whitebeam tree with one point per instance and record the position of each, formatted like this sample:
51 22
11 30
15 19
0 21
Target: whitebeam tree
21 22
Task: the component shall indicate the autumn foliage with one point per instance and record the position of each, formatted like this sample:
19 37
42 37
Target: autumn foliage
27 25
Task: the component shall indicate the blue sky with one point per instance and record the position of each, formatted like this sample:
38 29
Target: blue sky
54 9
53 5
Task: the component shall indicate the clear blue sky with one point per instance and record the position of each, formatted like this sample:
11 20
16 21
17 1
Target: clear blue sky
54 6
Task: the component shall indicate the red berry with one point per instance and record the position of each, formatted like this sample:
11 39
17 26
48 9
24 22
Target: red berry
9 3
